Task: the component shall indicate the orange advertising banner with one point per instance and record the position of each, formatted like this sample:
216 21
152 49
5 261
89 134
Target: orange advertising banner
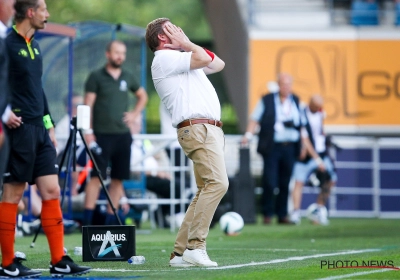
359 79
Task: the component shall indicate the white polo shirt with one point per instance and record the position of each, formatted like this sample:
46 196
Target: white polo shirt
187 94
316 124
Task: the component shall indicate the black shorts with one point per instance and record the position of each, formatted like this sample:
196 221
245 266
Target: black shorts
32 154
115 153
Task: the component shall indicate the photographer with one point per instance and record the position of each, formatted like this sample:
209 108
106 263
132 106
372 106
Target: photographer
315 159
280 121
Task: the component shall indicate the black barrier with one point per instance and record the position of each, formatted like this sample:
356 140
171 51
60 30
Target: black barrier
242 188
108 243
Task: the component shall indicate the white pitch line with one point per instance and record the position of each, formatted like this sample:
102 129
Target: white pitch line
299 258
354 274
264 249
119 270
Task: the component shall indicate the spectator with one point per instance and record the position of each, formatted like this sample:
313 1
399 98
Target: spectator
179 71
157 180
316 158
280 120
107 92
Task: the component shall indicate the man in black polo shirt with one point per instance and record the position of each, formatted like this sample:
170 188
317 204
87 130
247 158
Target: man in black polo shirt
32 152
107 91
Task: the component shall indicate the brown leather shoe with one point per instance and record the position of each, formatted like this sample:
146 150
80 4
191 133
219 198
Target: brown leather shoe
267 220
285 221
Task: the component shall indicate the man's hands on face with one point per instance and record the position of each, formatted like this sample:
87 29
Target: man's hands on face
179 40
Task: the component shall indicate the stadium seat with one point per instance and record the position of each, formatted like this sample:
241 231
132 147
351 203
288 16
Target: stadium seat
364 13
136 188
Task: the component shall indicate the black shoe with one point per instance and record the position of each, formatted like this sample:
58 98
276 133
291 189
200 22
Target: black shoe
267 220
18 270
285 221
67 267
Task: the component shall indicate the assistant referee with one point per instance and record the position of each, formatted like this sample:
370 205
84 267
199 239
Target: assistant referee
32 147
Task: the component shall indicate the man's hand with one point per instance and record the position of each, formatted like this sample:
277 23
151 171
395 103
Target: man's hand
124 204
2 137
179 40
129 118
321 167
14 121
164 175
244 142
303 153
125 208
320 163
89 138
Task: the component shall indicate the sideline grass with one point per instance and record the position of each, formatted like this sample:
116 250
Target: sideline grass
266 252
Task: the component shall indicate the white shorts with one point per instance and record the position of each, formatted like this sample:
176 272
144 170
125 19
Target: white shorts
302 170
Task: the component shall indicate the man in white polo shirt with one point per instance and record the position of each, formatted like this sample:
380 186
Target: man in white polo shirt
179 72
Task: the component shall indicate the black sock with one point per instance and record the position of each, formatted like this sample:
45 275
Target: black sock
87 217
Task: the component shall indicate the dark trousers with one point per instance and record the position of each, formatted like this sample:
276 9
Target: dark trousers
162 187
278 167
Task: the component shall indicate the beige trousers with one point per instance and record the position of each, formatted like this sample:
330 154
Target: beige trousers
204 145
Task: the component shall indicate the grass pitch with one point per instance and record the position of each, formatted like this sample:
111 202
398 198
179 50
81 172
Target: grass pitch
259 252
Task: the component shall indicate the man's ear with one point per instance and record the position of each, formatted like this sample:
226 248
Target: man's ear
161 37
30 12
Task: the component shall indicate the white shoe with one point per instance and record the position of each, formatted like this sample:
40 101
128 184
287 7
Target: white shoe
198 257
295 217
323 216
176 261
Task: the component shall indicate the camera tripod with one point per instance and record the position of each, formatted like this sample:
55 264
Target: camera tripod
70 153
